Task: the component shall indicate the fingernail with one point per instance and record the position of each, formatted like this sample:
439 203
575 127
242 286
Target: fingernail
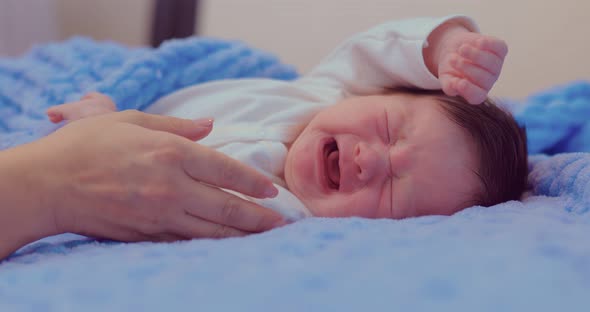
204 122
271 192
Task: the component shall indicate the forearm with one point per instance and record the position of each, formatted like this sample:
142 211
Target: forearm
24 215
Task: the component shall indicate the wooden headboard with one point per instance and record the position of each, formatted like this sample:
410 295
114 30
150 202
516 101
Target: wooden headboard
174 19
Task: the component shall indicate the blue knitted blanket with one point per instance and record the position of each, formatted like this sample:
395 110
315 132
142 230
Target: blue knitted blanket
558 119
528 255
134 78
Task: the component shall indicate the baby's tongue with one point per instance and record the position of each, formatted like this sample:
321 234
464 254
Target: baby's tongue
333 167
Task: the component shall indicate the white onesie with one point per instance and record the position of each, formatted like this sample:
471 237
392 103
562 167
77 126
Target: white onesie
255 118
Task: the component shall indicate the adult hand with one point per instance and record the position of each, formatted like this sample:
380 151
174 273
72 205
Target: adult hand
131 176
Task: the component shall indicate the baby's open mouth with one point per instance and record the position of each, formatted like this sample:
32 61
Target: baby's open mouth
331 166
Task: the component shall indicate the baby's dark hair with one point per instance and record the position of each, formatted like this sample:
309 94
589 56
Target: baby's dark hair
500 142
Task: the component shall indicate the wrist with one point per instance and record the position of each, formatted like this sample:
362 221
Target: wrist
439 42
25 215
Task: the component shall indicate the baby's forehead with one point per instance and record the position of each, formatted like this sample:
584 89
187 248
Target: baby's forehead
410 103
417 106
429 126
408 98
416 111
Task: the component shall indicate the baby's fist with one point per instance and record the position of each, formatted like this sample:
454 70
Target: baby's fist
470 64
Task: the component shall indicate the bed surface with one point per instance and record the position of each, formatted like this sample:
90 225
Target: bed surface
530 255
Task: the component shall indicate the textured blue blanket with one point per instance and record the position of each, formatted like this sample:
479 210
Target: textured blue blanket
530 255
558 119
134 78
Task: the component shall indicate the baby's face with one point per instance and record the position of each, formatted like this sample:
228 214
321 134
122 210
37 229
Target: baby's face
382 156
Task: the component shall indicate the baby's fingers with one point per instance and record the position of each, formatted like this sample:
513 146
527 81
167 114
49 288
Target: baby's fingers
470 92
72 111
484 59
475 74
448 84
494 45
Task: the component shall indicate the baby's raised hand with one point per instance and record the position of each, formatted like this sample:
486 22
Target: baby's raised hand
469 64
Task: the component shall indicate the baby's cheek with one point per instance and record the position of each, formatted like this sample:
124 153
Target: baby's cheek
369 205
365 203
402 158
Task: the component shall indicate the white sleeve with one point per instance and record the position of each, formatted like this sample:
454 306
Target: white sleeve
386 56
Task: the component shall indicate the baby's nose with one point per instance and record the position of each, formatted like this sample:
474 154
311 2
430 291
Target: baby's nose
368 162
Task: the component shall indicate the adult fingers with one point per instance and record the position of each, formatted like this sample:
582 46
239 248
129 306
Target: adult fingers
127 232
220 207
159 237
190 129
209 166
189 226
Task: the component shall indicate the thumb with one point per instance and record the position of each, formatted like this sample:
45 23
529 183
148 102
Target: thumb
190 129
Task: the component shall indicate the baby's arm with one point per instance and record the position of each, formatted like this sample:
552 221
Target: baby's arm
91 104
400 54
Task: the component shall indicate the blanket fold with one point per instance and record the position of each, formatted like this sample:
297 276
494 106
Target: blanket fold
557 120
